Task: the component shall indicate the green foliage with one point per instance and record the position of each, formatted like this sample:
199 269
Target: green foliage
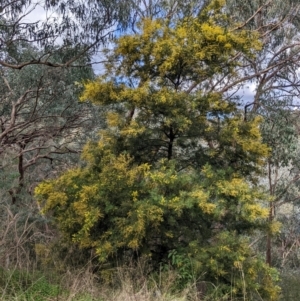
41 290
183 266
174 174
26 286
289 285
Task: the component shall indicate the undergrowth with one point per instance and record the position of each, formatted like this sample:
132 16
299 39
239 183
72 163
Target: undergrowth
130 283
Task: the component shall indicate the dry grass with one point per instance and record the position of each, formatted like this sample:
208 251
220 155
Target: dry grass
128 283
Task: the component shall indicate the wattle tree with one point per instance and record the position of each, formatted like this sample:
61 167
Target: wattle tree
174 173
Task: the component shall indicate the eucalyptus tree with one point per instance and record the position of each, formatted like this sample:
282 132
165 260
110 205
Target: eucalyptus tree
42 121
78 25
40 114
274 73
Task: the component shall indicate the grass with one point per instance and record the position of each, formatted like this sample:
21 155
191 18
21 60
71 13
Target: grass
123 284
83 285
